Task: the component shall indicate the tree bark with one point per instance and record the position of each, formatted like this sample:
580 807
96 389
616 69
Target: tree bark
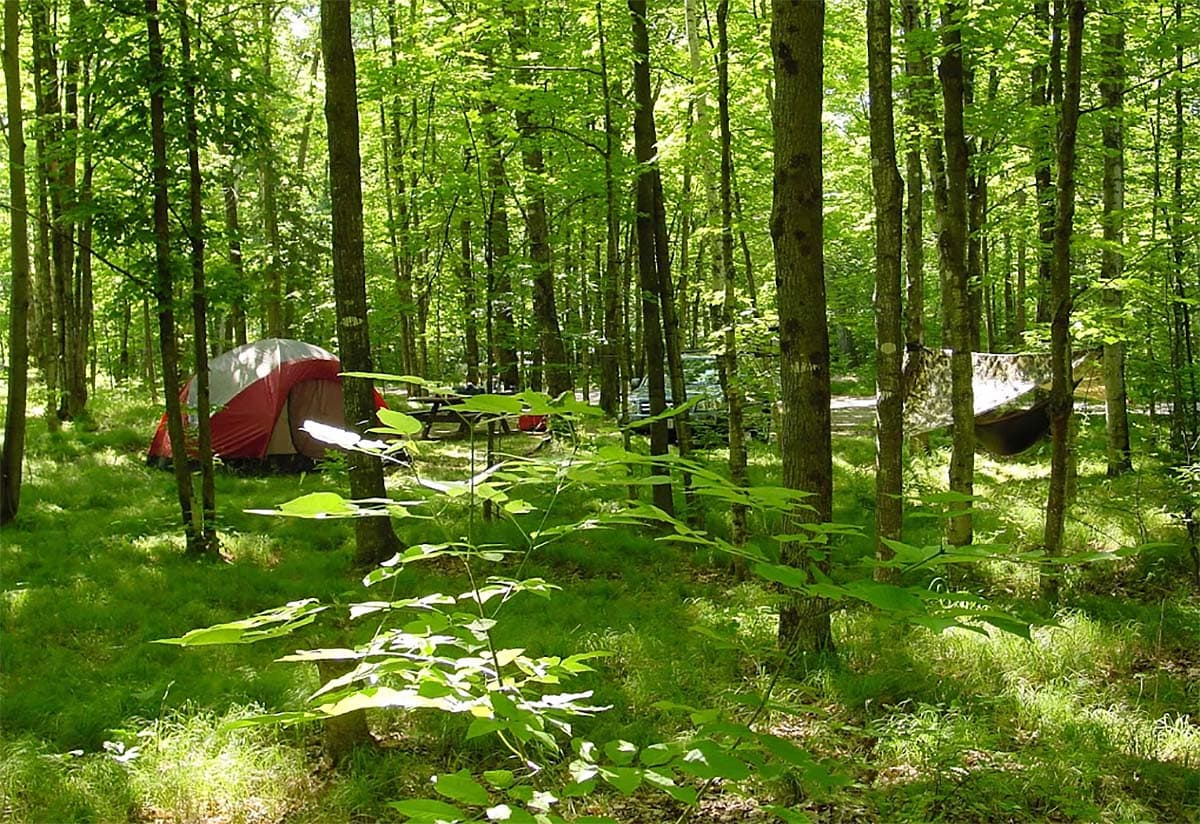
13 456
1043 154
648 273
164 287
1060 299
209 544
952 249
739 474
545 310
889 220
470 302
797 230
1112 84
611 393
374 537
270 183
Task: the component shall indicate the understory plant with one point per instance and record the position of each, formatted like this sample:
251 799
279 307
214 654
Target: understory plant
437 651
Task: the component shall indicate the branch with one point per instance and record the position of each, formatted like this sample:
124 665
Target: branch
145 284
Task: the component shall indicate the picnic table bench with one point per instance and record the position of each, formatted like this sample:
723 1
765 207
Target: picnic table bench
441 409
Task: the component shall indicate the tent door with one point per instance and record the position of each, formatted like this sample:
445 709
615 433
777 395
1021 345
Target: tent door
317 400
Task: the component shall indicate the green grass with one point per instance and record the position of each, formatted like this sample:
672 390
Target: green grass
1094 719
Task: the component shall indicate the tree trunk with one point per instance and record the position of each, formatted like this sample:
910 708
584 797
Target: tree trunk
470 303
648 273
164 287
1112 86
1043 153
402 243
739 474
554 355
209 544
611 392
13 456
797 227
952 249
270 183
914 218
889 219
1060 299
374 538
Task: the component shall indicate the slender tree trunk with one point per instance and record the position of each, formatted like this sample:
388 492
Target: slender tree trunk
269 177
797 230
164 287
952 248
1043 154
1112 86
401 242
209 544
374 538
739 474
13 456
611 392
914 218
44 80
1060 299
648 273
545 310
889 220
470 303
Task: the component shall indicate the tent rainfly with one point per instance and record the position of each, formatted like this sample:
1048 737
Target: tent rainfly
261 394
998 381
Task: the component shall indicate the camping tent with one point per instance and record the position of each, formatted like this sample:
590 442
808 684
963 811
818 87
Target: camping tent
261 394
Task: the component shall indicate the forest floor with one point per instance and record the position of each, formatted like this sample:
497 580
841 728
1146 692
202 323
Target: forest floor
1093 718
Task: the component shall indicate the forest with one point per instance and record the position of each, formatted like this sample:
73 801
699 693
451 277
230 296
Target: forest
600 411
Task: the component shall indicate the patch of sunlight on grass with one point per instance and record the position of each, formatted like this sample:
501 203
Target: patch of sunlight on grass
251 548
158 546
191 767
38 786
744 615
1077 650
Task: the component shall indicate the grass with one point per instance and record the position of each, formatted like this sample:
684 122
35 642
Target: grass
1092 719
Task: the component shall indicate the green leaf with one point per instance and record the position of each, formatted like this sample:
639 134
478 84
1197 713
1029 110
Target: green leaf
427 810
513 815
708 760
495 404
781 574
279 621
460 786
318 505
625 779
887 597
500 779
399 422
789 815
658 754
620 752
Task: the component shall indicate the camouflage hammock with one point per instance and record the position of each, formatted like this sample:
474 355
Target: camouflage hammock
999 380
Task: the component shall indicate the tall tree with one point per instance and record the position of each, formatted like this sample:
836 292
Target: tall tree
610 362
374 537
1060 297
734 396
1112 91
209 543
269 177
952 247
18 311
797 231
537 227
164 287
645 149
889 194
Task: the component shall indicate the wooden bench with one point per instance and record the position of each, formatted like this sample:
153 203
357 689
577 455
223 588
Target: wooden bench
441 410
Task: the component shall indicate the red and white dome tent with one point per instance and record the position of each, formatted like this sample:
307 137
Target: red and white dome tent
261 394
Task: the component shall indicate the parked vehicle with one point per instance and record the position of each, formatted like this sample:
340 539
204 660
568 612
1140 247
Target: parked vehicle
709 417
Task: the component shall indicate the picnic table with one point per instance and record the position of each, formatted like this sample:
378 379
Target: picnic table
441 409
